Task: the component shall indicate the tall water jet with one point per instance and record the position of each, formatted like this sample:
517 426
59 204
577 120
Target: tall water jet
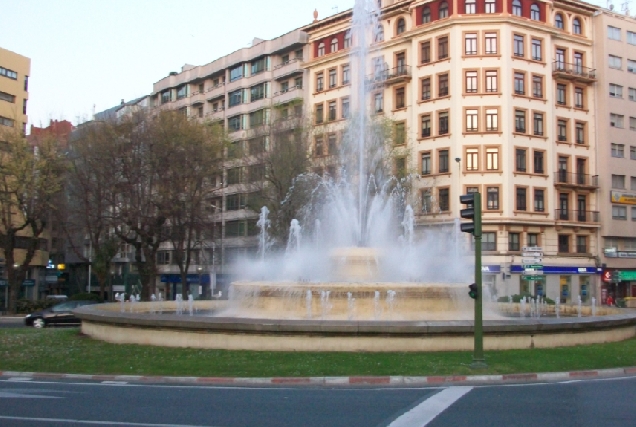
263 224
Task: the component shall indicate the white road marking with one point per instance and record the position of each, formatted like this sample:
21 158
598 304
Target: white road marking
17 379
13 395
114 382
90 422
426 411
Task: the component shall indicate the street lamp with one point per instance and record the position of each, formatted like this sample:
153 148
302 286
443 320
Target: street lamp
199 270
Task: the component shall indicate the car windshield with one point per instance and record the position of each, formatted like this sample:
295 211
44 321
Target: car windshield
65 306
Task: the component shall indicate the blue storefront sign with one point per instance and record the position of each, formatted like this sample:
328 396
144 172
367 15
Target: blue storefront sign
190 278
494 269
559 269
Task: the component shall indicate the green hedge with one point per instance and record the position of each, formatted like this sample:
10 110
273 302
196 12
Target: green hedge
86 297
25 306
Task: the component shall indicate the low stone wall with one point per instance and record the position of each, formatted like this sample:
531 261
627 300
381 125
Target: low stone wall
107 322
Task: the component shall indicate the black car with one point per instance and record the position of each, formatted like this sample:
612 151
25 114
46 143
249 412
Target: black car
60 314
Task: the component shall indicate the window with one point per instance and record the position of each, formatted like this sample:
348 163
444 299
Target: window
538 124
401 26
539 205
491 81
400 133
537 86
257 118
492 159
518 42
558 21
166 96
520 160
632 182
564 243
235 202
576 26
378 102
5 121
427 201
616 120
332 110
516 7
236 72
426 52
471 120
532 239
347 39
442 48
379 33
320 82
520 83
492 198
319 113
490 41
400 98
257 92
345 108
235 97
470 44
346 74
333 78
8 73
521 198
443 10
490 6
7 97
442 85
472 159
334 45
444 199
426 89
513 242
632 94
319 145
613 33
535 12
619 212
562 130
538 162
633 213
520 121
618 182
470 7
258 66
631 66
471 81
492 120
560 94
234 176
442 161
489 241
537 51
234 123
632 123
579 133
632 152
559 62
426 163
443 123
618 150
426 15
256 146
615 62
578 97
426 126
321 48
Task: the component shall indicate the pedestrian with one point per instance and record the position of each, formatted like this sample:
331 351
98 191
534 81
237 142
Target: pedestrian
610 300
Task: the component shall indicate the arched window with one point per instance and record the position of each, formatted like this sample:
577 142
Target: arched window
321 49
558 21
401 26
443 10
347 39
535 12
516 7
334 44
426 15
379 33
576 26
470 7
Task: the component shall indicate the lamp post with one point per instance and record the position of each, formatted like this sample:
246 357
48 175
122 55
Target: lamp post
199 270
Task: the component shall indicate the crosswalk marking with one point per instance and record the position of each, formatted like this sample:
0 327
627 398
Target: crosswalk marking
426 411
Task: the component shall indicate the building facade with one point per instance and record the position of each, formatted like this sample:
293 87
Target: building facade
14 89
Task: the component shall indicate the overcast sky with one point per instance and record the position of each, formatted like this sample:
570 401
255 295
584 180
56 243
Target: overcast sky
87 53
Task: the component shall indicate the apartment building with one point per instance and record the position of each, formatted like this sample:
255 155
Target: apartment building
14 89
246 92
491 96
615 58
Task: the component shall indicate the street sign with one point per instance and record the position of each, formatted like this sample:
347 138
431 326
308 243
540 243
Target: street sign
532 254
532 249
533 266
531 260
532 277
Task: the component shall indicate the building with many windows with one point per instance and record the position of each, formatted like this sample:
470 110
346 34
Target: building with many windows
14 89
490 96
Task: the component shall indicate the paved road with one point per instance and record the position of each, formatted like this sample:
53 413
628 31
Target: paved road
11 322
606 403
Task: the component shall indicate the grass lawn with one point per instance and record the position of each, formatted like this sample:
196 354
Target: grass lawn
66 351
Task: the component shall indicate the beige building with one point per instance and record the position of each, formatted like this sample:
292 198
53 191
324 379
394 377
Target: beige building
615 58
14 89
487 96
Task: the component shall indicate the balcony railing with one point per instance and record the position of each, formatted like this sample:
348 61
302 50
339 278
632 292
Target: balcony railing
585 217
390 75
565 178
576 71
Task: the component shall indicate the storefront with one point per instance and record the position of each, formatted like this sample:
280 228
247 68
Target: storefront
618 283
489 274
565 283
198 285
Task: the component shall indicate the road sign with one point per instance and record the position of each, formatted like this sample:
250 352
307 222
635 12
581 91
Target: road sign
533 266
532 277
531 260
532 249
532 254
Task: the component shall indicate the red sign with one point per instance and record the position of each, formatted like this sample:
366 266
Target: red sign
607 276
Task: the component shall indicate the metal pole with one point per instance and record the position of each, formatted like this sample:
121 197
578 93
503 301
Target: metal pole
90 264
478 353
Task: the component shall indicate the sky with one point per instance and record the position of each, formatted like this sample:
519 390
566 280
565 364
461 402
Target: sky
89 54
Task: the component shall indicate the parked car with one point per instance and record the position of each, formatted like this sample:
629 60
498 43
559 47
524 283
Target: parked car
60 315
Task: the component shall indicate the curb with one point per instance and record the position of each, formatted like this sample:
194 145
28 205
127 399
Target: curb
334 381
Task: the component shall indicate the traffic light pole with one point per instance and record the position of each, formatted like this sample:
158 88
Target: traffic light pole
478 352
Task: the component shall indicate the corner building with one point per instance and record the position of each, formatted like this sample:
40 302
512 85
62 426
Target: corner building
491 96
14 89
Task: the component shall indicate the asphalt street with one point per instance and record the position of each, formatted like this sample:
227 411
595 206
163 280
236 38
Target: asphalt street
600 402
11 322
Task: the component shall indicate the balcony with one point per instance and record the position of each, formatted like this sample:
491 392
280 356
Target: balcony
390 76
197 98
215 91
575 72
566 179
218 114
286 95
579 217
287 69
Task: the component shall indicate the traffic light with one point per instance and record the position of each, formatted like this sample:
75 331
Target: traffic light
472 211
473 292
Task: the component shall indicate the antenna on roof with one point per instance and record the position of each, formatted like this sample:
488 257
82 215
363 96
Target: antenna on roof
625 8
